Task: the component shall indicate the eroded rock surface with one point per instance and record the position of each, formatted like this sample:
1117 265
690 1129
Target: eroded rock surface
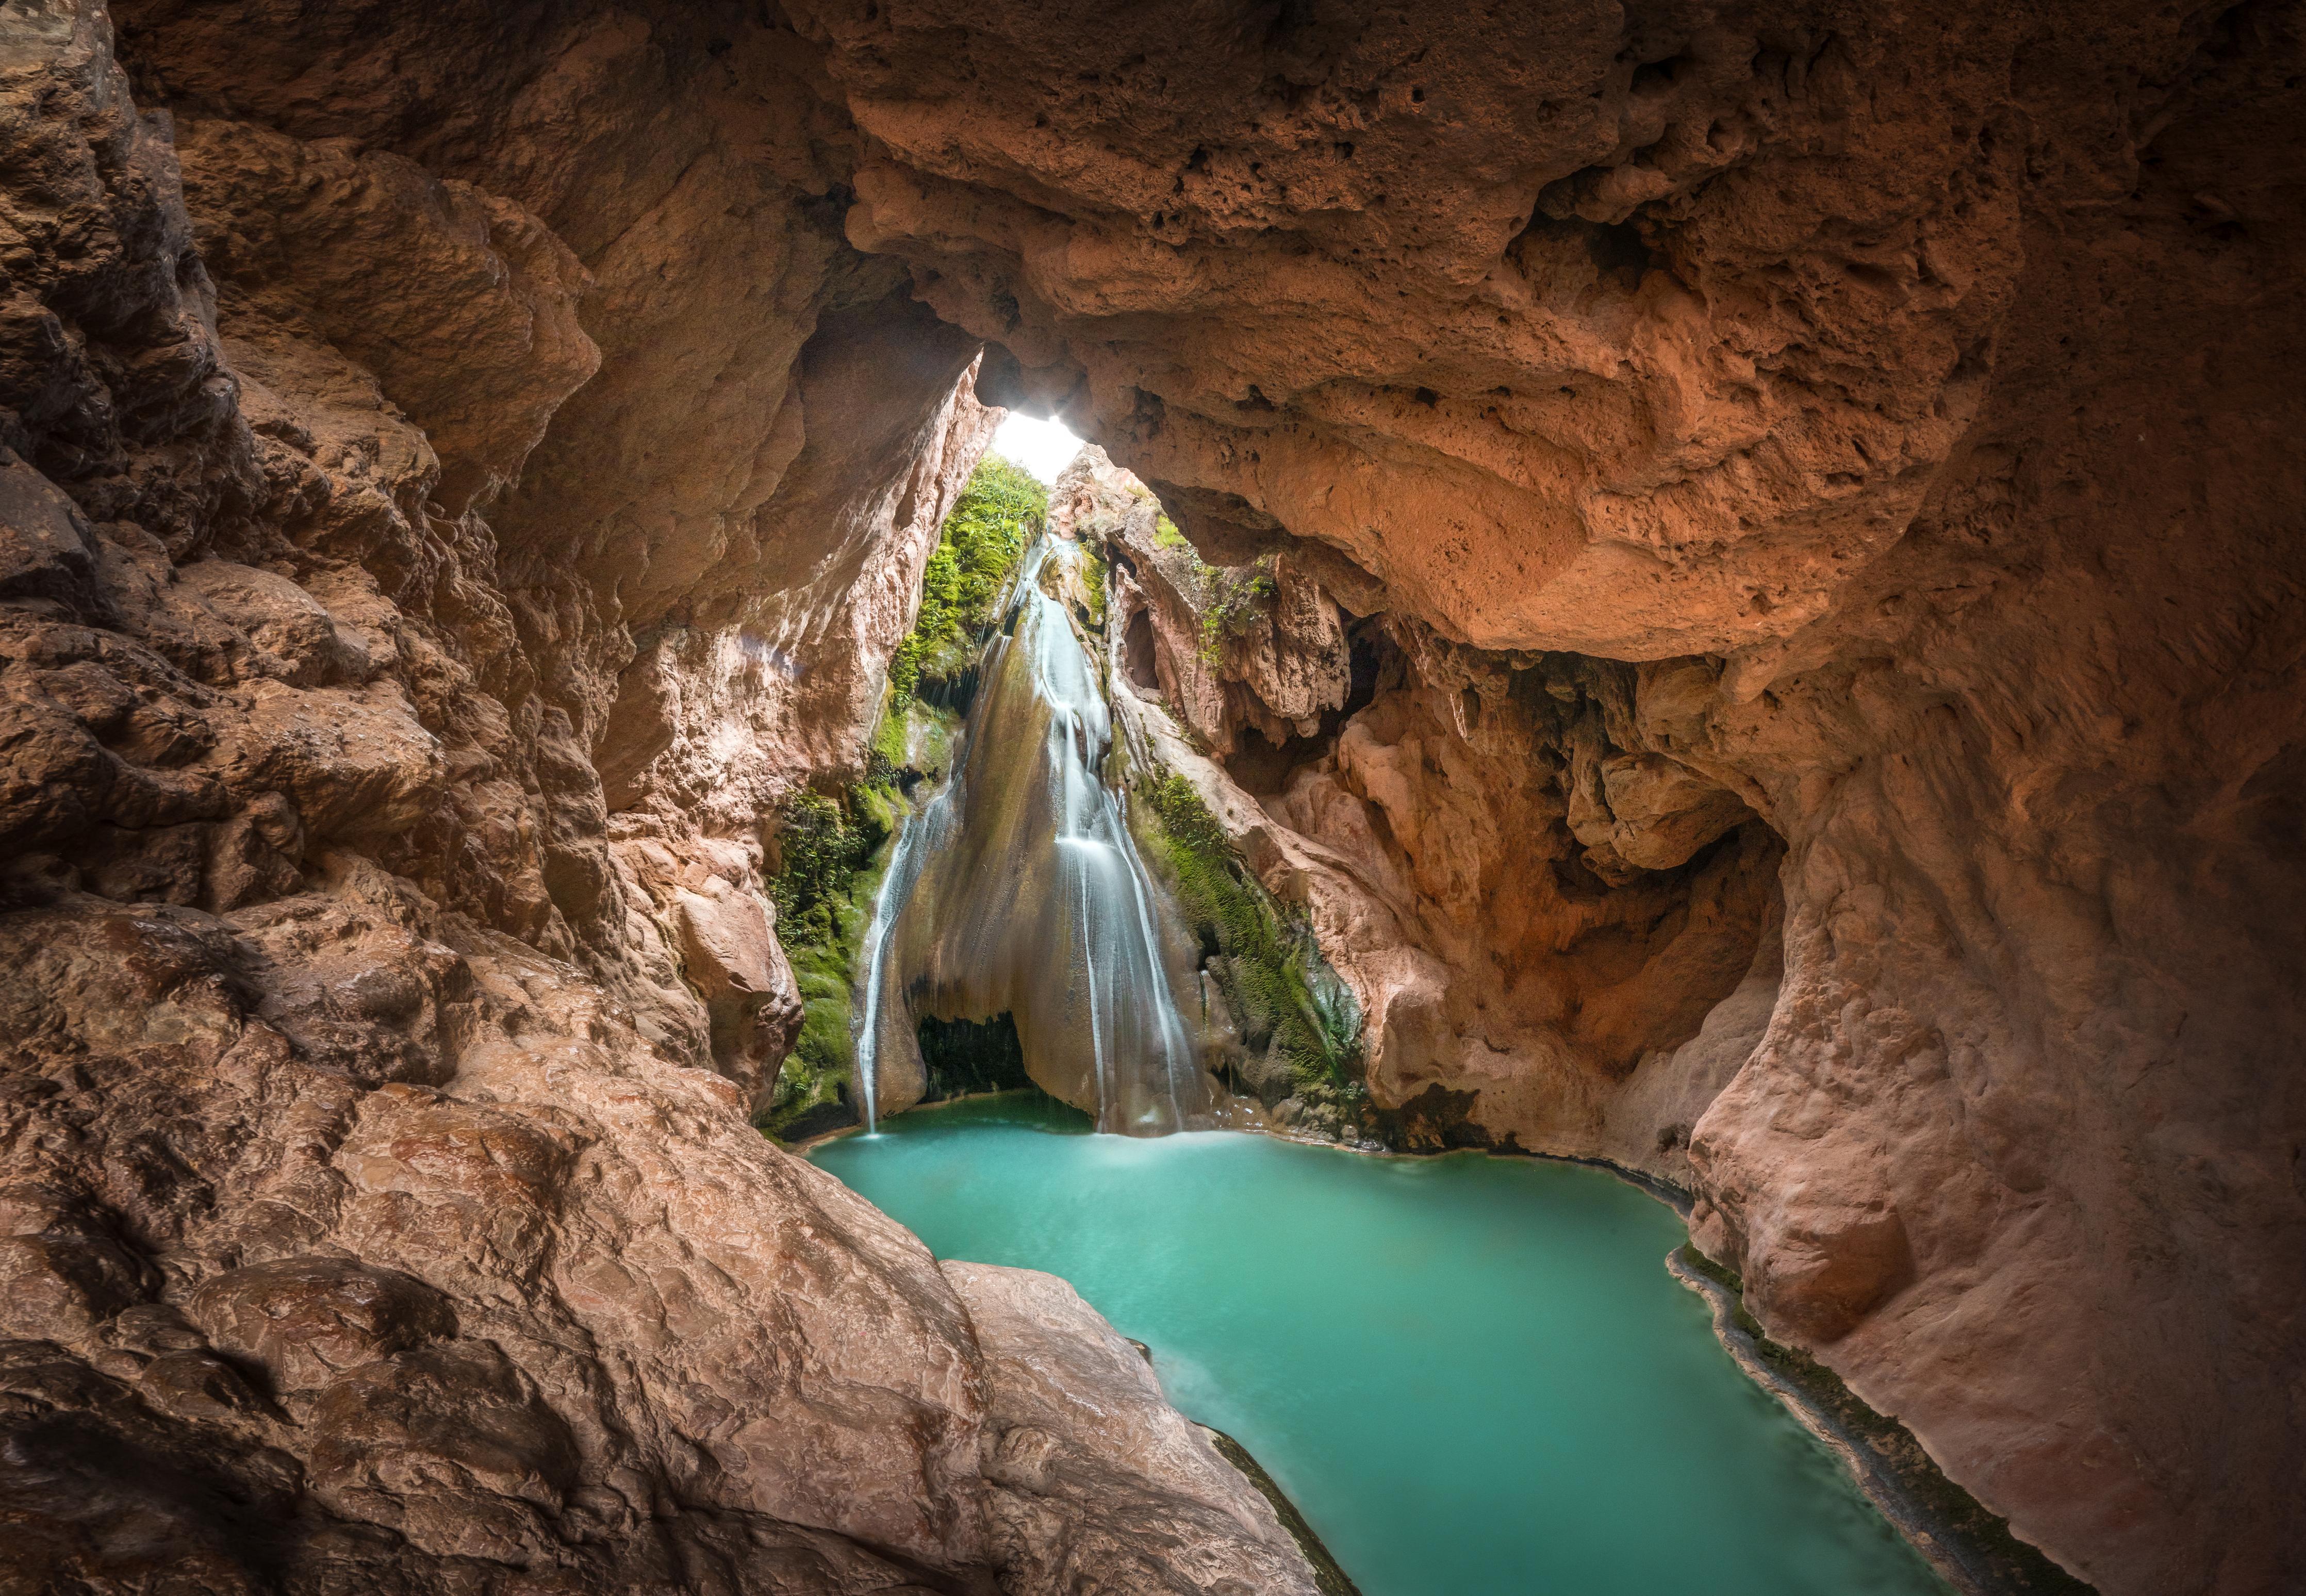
1781 667
391 747
1873 427
1098 1483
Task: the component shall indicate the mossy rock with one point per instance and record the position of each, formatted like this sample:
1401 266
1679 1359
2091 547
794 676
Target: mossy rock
1282 992
998 514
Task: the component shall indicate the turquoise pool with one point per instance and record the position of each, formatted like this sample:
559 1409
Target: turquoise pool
1473 1374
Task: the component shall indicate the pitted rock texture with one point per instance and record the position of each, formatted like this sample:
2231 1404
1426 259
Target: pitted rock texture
563 1317
1542 926
385 974
1874 423
1883 423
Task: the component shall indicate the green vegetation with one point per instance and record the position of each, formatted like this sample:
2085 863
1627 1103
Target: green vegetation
828 843
1095 578
1328 1577
822 844
830 859
999 512
822 890
888 745
1234 598
1274 980
1231 599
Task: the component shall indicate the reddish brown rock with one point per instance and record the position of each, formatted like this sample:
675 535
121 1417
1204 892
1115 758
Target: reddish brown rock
1096 1477
381 1208
1857 386
1781 667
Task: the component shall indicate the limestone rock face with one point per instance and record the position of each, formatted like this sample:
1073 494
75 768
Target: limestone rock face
1871 429
1758 611
1099 1483
389 745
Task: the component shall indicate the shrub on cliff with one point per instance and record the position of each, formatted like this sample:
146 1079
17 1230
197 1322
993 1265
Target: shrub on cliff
999 512
1233 598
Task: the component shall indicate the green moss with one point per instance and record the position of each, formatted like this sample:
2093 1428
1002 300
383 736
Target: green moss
1093 578
1274 977
1165 534
1233 598
1329 1577
888 742
999 512
822 843
831 847
830 852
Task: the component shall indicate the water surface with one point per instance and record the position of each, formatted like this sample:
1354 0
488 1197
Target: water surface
1473 1375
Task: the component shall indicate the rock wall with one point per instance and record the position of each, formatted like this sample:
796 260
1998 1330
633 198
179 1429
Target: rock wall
448 493
1561 940
437 537
1881 424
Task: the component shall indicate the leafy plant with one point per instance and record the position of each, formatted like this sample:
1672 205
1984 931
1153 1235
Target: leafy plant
1235 599
997 514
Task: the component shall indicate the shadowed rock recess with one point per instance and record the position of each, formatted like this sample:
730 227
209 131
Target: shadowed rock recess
1737 567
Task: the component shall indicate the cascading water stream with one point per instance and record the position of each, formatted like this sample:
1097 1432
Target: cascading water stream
1018 889
896 887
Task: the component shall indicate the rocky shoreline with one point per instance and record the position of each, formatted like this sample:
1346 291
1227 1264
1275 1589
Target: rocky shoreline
1968 1546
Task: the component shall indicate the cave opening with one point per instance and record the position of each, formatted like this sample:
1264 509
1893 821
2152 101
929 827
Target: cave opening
965 1057
1605 658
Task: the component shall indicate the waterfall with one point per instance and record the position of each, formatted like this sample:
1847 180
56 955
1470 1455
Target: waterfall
1018 889
896 888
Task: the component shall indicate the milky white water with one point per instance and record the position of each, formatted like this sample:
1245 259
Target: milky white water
1017 890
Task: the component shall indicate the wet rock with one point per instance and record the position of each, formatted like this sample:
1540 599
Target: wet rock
1095 1475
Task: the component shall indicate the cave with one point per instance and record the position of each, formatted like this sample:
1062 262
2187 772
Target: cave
1715 595
1139 652
965 1056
